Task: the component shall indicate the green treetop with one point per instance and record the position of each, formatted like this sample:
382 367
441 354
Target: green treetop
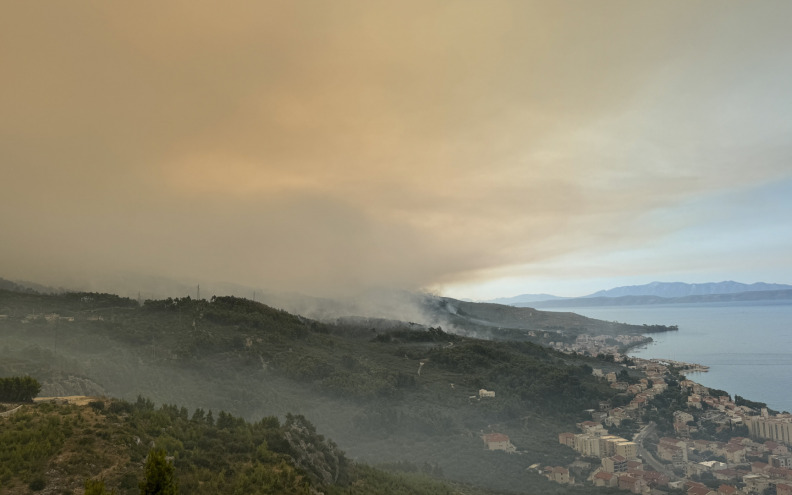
160 475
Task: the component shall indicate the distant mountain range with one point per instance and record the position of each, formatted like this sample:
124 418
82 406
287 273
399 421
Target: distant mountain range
680 289
769 295
659 293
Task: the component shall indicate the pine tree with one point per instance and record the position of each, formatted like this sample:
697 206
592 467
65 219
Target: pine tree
160 475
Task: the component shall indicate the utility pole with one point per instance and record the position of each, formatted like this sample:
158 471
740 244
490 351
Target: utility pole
198 294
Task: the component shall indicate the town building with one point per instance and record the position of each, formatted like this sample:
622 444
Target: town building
672 449
634 484
603 478
498 441
777 428
729 490
558 474
614 464
783 489
756 482
567 439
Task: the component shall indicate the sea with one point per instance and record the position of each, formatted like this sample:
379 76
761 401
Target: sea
747 346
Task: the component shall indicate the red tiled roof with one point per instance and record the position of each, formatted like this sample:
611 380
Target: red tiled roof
495 437
781 472
758 466
627 480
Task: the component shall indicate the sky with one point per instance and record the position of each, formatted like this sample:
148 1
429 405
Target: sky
474 149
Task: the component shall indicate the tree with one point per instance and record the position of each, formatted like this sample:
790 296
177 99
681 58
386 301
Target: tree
160 475
19 389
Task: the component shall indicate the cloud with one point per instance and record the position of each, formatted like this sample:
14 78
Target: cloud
321 147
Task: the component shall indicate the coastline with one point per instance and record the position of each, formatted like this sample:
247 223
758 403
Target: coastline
682 367
747 348
624 350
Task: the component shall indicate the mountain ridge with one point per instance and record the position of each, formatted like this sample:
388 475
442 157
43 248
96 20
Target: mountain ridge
745 297
682 289
663 293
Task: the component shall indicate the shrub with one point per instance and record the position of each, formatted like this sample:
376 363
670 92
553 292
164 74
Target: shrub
37 484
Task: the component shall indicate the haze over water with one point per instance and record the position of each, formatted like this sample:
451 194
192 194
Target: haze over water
748 347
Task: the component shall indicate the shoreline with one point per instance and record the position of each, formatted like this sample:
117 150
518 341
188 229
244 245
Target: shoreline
688 368
682 366
726 341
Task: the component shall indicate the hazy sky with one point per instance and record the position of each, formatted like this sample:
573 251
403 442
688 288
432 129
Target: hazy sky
476 148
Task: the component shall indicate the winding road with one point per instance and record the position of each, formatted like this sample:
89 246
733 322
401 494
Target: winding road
647 456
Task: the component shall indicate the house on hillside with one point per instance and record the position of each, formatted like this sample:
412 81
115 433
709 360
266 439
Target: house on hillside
757 482
729 490
735 454
558 474
700 490
604 478
780 461
567 439
498 441
591 427
614 464
671 449
635 484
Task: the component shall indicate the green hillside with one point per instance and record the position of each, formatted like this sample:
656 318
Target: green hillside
406 394
56 447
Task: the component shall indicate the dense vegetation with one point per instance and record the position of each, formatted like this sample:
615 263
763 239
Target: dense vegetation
131 448
19 389
408 393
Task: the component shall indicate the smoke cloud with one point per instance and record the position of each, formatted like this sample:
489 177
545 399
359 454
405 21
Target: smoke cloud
329 147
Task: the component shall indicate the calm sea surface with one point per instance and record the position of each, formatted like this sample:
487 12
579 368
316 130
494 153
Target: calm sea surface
748 347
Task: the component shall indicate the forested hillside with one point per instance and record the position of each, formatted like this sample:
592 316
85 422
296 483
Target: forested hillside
56 447
408 393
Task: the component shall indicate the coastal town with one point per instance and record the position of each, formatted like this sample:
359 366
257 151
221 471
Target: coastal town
716 445
670 435
608 345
